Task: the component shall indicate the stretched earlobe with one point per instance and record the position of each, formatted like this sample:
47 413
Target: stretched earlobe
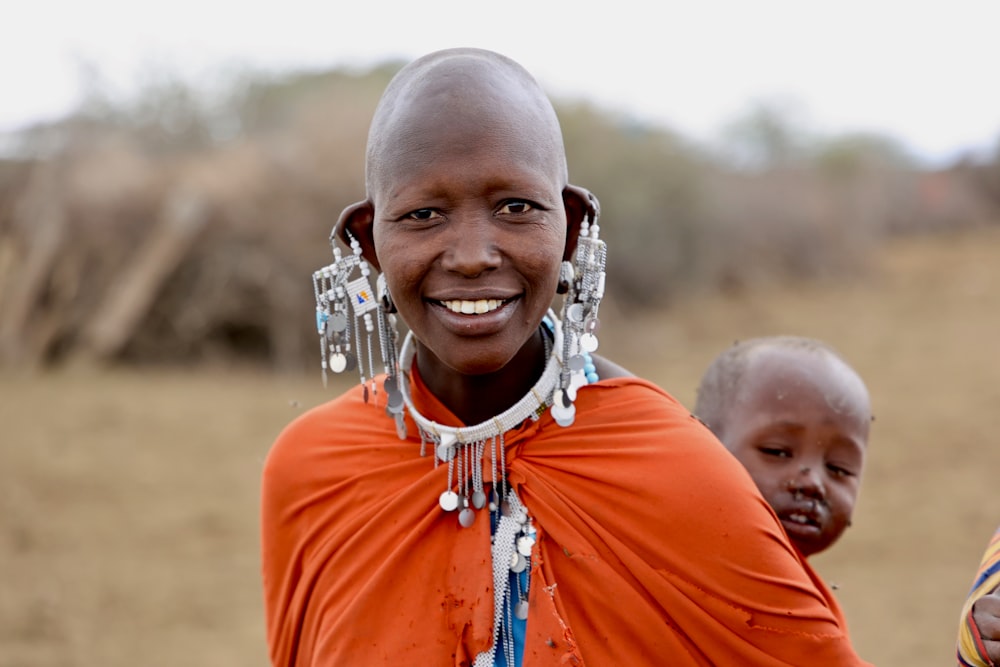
358 219
580 205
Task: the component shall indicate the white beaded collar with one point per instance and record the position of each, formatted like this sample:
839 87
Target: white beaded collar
530 405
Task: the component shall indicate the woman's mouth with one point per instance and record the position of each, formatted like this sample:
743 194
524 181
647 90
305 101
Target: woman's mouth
478 307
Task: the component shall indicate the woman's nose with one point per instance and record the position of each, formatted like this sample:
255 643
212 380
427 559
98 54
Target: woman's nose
472 247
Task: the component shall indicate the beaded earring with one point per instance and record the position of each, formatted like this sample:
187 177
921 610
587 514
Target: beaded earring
344 305
387 335
582 281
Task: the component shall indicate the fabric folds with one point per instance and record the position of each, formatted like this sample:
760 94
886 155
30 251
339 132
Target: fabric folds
639 512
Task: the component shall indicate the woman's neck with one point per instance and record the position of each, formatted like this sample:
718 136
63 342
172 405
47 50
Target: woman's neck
477 398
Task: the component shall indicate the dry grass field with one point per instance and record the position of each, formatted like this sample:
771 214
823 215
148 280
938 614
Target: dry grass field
128 500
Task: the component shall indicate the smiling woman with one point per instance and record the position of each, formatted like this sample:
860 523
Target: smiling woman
463 506
443 233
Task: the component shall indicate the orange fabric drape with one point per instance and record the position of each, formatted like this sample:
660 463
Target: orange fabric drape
654 546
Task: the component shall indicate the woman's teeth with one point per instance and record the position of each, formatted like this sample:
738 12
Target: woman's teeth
472 307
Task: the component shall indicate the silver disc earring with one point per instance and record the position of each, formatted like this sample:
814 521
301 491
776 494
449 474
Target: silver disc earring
344 304
585 279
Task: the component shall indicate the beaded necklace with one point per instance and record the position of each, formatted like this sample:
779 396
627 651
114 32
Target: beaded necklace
463 449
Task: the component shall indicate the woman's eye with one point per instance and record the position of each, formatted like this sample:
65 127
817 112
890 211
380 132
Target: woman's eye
516 207
422 214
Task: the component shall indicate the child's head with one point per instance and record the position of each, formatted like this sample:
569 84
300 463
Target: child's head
797 416
468 212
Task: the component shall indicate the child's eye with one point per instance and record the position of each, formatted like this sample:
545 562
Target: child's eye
775 451
515 206
838 471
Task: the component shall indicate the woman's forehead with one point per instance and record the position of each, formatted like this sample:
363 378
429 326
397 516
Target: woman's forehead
431 137
460 103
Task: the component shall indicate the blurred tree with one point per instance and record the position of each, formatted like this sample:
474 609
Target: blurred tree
852 154
770 135
648 182
269 161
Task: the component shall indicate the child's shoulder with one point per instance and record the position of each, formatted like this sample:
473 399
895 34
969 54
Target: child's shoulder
607 369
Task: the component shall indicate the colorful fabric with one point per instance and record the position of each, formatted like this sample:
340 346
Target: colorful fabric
971 652
653 545
518 626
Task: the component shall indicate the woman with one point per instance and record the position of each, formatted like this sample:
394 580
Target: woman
500 496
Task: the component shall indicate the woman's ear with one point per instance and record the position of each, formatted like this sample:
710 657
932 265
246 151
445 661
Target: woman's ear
358 220
580 204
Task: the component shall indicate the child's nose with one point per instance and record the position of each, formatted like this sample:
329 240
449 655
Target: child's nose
808 482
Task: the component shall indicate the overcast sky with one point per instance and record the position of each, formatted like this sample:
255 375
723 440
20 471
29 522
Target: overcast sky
924 71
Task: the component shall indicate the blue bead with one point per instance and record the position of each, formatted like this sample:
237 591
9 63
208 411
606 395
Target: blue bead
592 378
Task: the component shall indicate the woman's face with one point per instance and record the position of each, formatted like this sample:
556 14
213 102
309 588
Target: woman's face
800 427
469 231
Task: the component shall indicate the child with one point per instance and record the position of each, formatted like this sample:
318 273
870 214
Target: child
979 628
498 494
796 415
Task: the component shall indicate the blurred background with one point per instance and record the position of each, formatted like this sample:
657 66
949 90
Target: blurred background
169 175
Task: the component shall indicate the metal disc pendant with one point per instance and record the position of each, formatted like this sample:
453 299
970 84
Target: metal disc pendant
518 563
575 312
588 342
338 321
448 501
394 402
566 422
466 517
521 610
576 362
562 415
478 499
351 361
524 544
391 386
562 399
494 500
338 362
445 452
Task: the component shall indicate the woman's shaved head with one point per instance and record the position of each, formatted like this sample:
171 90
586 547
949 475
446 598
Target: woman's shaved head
465 90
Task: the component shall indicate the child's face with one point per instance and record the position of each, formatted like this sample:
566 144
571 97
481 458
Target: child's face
469 230
800 427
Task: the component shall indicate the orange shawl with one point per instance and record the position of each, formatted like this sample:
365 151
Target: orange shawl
654 546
